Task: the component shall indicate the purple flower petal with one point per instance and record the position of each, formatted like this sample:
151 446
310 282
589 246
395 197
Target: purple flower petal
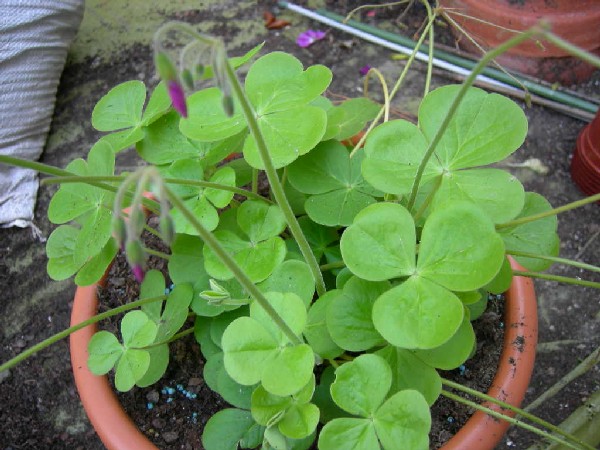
138 273
364 69
308 37
177 98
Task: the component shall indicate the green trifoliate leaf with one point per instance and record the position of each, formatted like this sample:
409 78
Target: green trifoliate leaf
349 315
268 409
361 385
202 335
348 118
186 264
322 397
502 280
409 372
299 421
131 367
159 360
226 429
381 243
120 108
460 248
104 351
291 309
393 152
137 329
453 352
404 418
333 180
218 197
158 104
59 248
537 237
486 128
318 236
175 311
417 314
153 286
95 267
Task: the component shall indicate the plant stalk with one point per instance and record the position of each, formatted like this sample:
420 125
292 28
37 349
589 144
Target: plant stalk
233 266
555 259
557 278
275 184
63 334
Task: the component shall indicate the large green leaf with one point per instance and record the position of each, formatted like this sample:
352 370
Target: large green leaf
459 248
226 429
104 351
120 108
217 378
260 221
381 243
348 434
417 314
485 128
316 331
393 152
348 118
291 276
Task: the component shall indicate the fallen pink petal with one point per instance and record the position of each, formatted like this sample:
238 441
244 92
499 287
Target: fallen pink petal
177 96
309 37
364 69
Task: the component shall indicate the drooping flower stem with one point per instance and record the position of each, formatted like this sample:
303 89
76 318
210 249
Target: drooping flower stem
454 106
556 259
274 182
63 334
233 266
557 278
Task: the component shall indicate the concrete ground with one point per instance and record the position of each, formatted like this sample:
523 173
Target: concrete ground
113 46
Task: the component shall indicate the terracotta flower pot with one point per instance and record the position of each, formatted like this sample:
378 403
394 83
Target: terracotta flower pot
481 432
575 21
585 165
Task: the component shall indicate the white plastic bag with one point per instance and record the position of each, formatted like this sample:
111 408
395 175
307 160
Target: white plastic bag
34 38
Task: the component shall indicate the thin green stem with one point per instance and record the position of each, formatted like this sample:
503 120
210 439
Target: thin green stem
429 198
555 259
585 366
177 181
63 334
153 252
506 418
395 89
558 278
233 266
552 212
173 338
572 49
274 183
431 17
512 408
458 99
333 265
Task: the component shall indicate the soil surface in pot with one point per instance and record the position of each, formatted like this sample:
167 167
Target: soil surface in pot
172 413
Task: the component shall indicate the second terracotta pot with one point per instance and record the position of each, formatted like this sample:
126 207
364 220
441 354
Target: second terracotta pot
482 432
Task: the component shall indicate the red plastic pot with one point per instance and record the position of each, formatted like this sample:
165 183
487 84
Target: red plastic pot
578 22
585 165
481 432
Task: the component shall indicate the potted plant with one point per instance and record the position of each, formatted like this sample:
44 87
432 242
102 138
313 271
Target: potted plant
343 287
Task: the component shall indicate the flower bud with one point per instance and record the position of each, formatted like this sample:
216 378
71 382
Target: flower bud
177 96
119 231
138 273
135 254
167 230
165 67
188 79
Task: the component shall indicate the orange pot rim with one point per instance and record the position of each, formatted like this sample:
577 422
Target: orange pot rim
118 432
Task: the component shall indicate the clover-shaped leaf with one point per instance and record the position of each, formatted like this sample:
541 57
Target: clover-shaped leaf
291 276
227 429
121 109
333 180
381 243
256 350
259 252
202 202
316 331
217 378
349 117
360 388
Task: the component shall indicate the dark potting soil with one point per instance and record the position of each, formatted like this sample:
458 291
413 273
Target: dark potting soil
173 412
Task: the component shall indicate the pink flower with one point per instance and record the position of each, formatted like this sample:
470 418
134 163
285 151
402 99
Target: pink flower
308 37
138 272
177 97
364 69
